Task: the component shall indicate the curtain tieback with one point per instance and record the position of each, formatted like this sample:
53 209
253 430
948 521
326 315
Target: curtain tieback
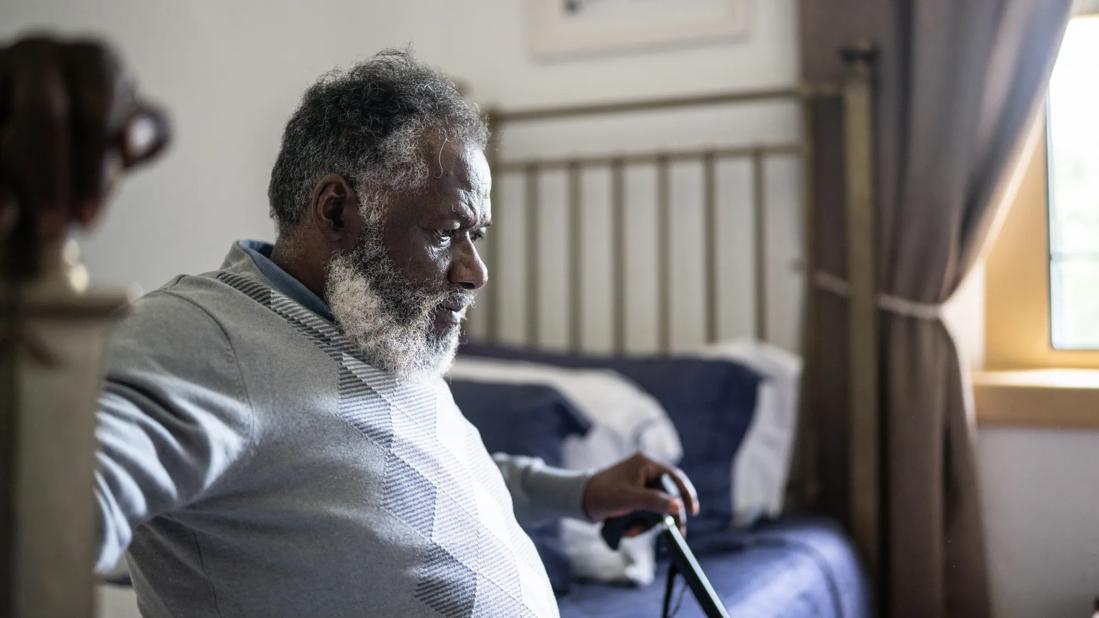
886 302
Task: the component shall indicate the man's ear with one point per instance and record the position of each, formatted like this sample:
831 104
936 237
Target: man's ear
335 211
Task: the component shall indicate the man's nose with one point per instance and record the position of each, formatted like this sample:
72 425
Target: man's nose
468 270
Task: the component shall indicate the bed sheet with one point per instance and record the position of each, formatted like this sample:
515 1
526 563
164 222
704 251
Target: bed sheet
785 568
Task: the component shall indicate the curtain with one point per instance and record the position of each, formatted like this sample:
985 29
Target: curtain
957 82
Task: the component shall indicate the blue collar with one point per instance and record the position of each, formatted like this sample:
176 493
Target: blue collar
260 252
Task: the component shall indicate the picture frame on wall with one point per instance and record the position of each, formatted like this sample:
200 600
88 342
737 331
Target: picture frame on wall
562 28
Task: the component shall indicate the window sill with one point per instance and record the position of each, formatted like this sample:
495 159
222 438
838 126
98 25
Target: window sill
1038 397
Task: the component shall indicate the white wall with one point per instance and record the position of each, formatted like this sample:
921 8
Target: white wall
1040 493
231 73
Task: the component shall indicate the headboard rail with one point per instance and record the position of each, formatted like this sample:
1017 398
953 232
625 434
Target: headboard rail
532 170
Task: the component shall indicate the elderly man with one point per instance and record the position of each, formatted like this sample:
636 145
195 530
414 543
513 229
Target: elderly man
276 438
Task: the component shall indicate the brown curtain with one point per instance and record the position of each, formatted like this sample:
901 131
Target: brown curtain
957 83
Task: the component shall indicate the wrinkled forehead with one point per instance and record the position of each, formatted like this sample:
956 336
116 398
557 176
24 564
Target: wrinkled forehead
459 173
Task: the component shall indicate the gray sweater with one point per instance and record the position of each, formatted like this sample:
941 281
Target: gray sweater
253 464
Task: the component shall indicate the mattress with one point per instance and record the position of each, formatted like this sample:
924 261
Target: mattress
785 568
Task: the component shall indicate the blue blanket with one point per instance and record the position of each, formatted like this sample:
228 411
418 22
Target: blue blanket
789 568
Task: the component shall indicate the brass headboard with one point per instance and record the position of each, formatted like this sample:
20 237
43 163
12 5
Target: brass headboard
531 170
855 98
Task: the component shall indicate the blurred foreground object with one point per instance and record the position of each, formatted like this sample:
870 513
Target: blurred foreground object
70 125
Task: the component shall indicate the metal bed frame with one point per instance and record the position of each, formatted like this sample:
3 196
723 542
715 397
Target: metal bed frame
616 163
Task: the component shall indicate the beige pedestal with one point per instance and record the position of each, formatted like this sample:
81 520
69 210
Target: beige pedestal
52 331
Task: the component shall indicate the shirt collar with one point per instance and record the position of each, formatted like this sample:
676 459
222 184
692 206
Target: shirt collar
260 252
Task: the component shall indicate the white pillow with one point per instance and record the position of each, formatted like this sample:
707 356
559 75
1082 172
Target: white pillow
625 419
634 562
761 466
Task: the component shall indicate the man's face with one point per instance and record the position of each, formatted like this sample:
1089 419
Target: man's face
404 289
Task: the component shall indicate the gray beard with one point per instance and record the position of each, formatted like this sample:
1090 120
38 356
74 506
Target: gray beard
388 318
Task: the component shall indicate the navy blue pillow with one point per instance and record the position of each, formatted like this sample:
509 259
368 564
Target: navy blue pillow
520 419
526 419
710 402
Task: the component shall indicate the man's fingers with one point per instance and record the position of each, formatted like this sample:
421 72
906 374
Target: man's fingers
658 502
686 488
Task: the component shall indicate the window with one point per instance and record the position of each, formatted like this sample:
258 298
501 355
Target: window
1042 270
1041 364
1073 178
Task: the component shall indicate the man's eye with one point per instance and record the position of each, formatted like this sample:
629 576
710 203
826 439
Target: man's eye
477 235
443 236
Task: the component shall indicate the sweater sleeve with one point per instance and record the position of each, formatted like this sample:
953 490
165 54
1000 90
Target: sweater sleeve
540 492
174 417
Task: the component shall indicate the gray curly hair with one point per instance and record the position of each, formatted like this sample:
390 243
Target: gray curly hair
368 124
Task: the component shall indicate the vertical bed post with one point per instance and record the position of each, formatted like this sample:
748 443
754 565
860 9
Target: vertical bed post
575 258
663 251
618 254
759 259
865 448
710 240
534 255
803 486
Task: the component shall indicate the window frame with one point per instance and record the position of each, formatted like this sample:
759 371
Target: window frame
1026 381
1082 8
1018 299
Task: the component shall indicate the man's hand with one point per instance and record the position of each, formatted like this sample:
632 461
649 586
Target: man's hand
70 123
620 490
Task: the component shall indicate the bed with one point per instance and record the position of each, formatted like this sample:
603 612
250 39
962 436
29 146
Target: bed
722 413
651 298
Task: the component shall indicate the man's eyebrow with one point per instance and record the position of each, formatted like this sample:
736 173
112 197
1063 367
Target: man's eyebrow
464 216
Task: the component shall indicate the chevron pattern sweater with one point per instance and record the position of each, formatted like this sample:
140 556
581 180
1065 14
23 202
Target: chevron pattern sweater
255 465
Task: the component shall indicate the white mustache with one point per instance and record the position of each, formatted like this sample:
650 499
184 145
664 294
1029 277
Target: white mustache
458 303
